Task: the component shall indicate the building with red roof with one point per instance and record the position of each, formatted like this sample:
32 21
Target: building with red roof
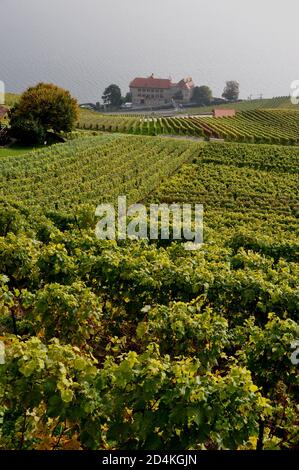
153 91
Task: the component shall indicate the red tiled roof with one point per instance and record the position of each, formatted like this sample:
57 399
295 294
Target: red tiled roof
151 82
3 111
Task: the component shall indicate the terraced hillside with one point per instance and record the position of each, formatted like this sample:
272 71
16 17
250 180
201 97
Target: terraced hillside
266 126
137 344
93 169
238 184
280 102
260 126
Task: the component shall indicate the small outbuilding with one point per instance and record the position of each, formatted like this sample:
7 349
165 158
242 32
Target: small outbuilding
217 113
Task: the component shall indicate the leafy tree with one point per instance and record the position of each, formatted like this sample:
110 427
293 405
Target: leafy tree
4 136
27 129
231 91
202 95
128 98
112 96
43 108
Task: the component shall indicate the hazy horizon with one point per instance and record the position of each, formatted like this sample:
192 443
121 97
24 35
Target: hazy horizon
85 46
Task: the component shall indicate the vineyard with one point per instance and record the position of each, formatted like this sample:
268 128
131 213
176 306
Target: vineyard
273 126
279 102
93 169
134 344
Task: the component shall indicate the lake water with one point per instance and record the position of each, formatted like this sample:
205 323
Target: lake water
86 45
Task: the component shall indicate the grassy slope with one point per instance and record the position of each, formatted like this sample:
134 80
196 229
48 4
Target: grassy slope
15 150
